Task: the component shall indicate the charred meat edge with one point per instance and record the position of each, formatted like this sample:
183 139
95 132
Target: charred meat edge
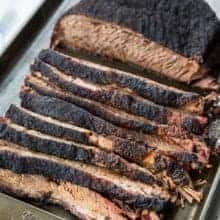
115 187
142 17
40 142
116 116
51 107
121 99
56 128
70 131
117 145
169 134
69 196
154 91
83 118
78 31
157 162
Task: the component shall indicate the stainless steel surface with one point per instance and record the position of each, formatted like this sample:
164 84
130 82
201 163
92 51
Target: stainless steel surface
9 88
12 209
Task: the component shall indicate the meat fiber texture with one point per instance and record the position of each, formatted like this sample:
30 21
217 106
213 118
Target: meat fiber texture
190 28
149 110
69 196
84 29
133 194
57 128
37 141
144 87
119 98
121 119
127 149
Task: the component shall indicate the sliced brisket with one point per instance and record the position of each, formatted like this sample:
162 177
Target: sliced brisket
63 111
69 196
171 134
162 164
40 142
115 187
123 100
113 115
35 102
188 28
156 92
75 31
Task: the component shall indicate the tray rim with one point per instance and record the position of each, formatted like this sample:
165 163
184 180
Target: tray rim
216 180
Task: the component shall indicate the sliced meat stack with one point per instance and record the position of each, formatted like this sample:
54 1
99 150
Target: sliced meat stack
142 34
97 127
105 143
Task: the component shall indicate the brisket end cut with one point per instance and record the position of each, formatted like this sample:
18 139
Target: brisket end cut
156 92
190 28
112 39
115 187
69 196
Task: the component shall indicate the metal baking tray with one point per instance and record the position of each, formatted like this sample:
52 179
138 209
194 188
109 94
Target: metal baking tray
14 66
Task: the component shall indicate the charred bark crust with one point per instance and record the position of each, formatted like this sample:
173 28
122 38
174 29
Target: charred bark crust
123 101
195 23
78 153
112 97
64 111
154 92
22 118
60 172
177 173
96 108
51 147
126 148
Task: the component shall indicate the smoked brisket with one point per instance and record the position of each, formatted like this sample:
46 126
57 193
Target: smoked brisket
64 111
113 41
97 137
170 134
69 196
123 100
40 142
163 164
133 194
42 105
190 28
155 92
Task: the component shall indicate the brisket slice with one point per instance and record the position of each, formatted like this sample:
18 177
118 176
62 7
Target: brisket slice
208 82
121 99
39 142
129 149
33 101
75 31
190 28
156 92
113 115
170 134
69 196
115 187
56 128
67 112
